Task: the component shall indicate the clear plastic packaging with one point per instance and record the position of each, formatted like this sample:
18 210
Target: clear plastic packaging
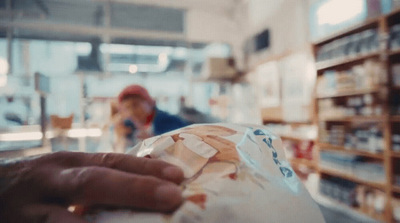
239 171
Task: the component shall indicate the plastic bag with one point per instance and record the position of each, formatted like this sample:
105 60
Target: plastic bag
234 173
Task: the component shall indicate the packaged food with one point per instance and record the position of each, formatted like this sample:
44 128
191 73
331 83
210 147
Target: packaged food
233 173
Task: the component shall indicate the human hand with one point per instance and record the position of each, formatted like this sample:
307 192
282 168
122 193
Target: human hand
41 188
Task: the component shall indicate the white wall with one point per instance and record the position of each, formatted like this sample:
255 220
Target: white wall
212 26
287 21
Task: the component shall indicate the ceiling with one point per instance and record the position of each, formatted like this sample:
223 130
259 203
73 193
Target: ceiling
162 20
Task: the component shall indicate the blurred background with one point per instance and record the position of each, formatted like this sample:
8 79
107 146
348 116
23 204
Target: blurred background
322 74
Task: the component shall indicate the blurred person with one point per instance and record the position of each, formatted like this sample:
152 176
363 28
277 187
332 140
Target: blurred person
139 118
41 188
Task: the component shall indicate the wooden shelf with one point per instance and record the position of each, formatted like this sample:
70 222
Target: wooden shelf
353 178
357 118
281 121
295 138
349 93
303 162
395 154
394 52
372 22
323 65
396 188
329 147
394 12
395 118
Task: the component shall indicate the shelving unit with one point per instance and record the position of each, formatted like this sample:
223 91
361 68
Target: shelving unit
344 61
377 217
395 118
349 93
341 149
396 189
385 56
394 52
359 214
357 118
295 138
396 154
351 177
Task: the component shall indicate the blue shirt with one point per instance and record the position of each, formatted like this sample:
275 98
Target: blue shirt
162 122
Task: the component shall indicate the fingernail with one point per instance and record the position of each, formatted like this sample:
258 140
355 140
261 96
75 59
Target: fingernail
168 195
172 173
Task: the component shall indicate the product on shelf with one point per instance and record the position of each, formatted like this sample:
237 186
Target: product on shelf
396 142
368 200
364 105
368 139
364 137
395 103
336 136
359 167
395 37
396 209
367 75
396 74
350 46
396 179
339 189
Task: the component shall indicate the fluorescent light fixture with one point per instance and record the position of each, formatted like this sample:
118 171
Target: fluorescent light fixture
162 58
180 52
153 50
83 48
133 69
117 49
72 133
50 134
334 12
124 67
3 66
3 80
81 132
21 136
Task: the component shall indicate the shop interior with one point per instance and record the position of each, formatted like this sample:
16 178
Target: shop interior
324 75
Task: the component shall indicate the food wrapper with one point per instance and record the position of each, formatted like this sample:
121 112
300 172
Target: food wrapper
233 173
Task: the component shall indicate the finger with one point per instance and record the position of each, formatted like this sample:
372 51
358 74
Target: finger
50 214
104 186
127 163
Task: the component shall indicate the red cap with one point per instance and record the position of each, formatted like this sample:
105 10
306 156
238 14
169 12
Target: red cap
134 89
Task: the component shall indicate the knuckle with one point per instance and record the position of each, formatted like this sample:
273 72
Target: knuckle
59 158
146 164
146 183
59 155
80 179
110 160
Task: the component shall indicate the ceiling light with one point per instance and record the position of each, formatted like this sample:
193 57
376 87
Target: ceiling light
133 69
3 66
